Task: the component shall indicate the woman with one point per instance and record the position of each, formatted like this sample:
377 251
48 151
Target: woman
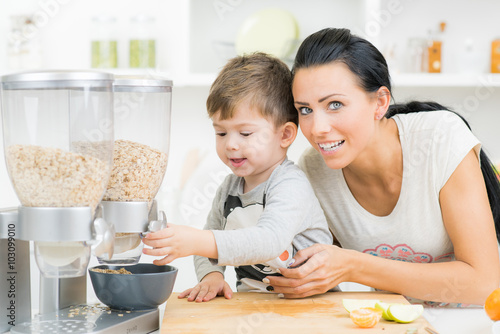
394 182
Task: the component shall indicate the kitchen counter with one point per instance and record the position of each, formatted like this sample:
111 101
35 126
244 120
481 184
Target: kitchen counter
267 313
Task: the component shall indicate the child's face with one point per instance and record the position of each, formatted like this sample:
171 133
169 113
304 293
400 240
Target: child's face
249 144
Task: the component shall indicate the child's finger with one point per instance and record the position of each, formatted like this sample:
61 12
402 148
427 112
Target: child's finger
184 293
226 290
158 243
194 293
157 251
211 294
166 260
161 234
202 293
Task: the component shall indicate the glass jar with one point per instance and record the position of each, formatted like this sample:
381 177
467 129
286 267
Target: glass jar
142 45
58 139
142 134
417 48
104 43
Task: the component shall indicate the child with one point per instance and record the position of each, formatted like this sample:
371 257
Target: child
267 211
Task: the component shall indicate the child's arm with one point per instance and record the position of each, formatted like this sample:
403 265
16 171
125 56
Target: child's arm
292 214
179 241
210 286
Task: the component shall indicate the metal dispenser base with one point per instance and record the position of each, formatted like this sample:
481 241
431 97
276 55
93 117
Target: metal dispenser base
86 319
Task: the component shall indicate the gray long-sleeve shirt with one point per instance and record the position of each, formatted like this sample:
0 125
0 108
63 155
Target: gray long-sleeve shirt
261 230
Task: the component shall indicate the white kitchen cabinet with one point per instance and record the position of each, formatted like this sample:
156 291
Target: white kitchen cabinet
196 37
389 24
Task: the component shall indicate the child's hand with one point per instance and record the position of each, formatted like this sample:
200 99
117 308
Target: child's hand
176 241
211 285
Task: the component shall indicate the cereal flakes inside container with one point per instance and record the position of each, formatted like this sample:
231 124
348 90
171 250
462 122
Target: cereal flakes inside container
137 172
50 177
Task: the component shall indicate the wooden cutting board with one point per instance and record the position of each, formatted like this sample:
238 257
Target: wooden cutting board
256 313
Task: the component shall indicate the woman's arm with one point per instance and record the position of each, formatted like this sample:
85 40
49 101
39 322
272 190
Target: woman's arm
469 223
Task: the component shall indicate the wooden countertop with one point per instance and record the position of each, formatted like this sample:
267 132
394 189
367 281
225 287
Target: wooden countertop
256 313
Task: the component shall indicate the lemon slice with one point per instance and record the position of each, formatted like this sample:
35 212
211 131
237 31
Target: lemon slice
404 313
354 304
384 307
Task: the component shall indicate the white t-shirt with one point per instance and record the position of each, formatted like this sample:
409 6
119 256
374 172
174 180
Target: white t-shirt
433 145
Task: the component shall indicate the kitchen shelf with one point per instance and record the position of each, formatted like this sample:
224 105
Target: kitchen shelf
436 80
179 79
421 80
431 80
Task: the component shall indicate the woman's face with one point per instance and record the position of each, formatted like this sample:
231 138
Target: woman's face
335 114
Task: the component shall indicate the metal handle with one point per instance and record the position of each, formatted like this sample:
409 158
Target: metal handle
104 238
156 225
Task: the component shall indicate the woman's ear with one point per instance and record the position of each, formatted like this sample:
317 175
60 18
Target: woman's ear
383 102
288 134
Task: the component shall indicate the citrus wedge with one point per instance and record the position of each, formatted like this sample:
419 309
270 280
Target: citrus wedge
354 304
404 313
365 317
384 307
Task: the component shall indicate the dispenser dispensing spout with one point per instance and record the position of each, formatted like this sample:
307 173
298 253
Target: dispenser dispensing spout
156 225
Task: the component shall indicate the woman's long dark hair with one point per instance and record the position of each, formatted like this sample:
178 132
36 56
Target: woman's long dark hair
368 64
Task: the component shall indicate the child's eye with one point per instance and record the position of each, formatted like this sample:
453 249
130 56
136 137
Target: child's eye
221 134
245 134
335 105
305 110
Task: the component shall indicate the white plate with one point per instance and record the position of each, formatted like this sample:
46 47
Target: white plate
274 31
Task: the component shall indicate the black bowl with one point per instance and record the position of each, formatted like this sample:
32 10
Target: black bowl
147 287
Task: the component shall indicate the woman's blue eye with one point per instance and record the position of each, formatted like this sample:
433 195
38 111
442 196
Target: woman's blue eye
335 105
305 110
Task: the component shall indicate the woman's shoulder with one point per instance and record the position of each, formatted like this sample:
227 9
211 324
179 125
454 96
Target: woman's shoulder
310 159
428 121
315 168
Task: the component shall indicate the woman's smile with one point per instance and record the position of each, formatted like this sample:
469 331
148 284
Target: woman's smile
330 147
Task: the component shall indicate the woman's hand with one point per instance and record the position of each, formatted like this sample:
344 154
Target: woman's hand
211 285
316 270
176 241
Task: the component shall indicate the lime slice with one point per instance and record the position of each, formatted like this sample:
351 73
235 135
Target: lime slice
384 307
404 313
354 304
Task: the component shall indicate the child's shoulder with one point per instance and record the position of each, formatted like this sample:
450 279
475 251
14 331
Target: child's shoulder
230 181
288 171
287 167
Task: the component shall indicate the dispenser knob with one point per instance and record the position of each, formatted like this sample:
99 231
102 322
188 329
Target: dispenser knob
156 225
104 238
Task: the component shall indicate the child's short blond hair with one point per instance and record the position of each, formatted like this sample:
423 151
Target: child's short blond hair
260 79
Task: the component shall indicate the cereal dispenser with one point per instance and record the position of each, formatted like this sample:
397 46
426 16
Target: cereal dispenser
58 129
142 134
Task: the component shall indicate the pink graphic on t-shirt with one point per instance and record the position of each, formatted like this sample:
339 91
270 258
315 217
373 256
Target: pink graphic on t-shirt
401 252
